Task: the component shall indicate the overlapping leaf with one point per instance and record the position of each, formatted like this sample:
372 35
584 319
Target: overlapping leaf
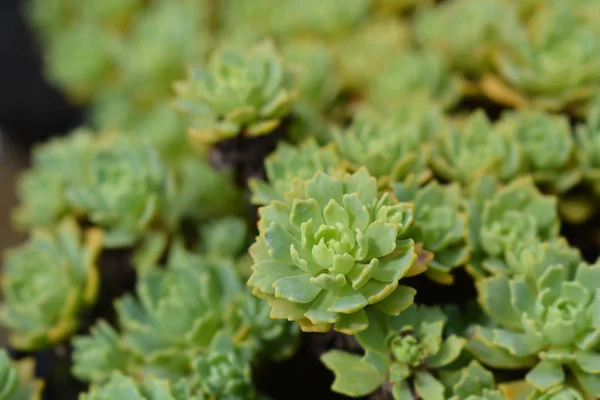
335 250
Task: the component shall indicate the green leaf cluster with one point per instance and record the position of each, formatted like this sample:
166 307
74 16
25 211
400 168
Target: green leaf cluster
588 147
115 45
121 186
17 381
179 321
240 93
388 148
440 226
454 146
470 47
504 217
288 166
401 350
46 282
408 173
546 323
415 73
42 189
552 60
547 147
332 252
472 382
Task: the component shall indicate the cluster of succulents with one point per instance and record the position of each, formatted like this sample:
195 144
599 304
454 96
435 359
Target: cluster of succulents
17 379
265 185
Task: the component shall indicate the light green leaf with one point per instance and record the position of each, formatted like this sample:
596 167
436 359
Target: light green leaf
398 301
297 289
449 351
545 375
353 377
428 387
588 361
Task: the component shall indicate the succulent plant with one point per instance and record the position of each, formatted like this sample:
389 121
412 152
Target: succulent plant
588 147
17 381
548 323
132 44
416 113
328 19
453 149
503 217
554 63
466 32
238 94
159 124
219 374
547 146
472 382
532 256
81 58
359 133
199 183
165 38
315 69
364 52
398 350
388 149
177 311
99 354
252 328
222 373
224 376
412 73
46 282
196 182
225 237
123 387
245 21
288 166
41 191
121 187
440 225
326 255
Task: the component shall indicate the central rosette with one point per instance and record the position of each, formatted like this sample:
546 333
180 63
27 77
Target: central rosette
563 316
408 351
322 258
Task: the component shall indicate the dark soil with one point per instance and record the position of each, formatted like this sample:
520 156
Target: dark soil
320 343
54 367
431 293
117 277
470 104
304 376
244 155
585 237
